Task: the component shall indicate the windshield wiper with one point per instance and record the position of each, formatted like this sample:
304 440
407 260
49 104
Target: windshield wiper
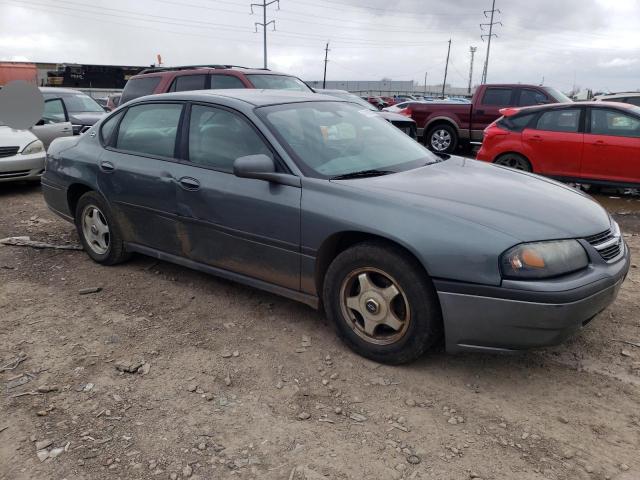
362 174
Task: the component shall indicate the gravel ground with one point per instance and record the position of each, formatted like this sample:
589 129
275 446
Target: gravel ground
169 373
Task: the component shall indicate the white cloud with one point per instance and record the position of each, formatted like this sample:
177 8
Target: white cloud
618 62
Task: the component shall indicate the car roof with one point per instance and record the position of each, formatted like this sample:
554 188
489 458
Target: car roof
617 95
252 96
59 90
552 106
191 70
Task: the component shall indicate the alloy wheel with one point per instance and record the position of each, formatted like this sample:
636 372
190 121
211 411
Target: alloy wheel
375 306
514 161
440 140
95 229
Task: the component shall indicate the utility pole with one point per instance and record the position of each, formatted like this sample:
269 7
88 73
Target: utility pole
326 59
473 51
489 37
425 82
446 69
264 23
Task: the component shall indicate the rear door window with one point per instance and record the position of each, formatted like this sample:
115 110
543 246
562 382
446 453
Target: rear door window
614 123
226 81
185 83
531 97
139 87
560 121
518 123
499 97
150 129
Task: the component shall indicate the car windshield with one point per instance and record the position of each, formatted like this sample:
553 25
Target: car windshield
78 103
351 98
558 95
330 139
278 82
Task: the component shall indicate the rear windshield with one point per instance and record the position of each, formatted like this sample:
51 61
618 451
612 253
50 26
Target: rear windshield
139 87
278 82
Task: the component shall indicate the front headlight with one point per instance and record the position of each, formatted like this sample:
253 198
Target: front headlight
34 147
543 260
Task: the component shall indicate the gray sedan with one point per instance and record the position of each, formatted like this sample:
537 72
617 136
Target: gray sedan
324 202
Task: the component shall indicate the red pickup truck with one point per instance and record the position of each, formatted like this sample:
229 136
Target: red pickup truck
445 125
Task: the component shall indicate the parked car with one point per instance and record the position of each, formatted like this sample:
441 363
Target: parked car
400 108
443 125
205 77
314 198
113 101
377 102
22 155
404 98
593 142
79 108
407 125
389 100
631 97
54 122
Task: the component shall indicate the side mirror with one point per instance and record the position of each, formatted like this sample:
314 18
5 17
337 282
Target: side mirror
40 122
262 167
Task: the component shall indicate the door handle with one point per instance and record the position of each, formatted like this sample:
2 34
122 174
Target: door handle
107 167
189 183
536 138
599 143
479 112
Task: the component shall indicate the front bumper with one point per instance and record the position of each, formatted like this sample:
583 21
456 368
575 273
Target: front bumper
22 167
501 319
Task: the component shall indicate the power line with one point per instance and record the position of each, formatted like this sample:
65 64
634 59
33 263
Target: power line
491 35
264 23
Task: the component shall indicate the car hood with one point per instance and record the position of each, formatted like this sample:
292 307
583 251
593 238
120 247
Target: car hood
395 117
15 138
522 205
85 118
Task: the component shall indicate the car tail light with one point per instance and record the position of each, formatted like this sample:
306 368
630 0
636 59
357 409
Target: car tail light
406 112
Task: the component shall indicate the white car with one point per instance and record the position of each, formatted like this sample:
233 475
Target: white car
631 97
22 155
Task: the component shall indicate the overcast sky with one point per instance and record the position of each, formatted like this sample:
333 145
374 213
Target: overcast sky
595 42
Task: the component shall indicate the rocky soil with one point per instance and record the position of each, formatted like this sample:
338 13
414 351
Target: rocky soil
149 370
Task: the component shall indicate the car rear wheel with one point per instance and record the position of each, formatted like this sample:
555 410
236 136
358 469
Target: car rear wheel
98 231
442 139
382 305
515 161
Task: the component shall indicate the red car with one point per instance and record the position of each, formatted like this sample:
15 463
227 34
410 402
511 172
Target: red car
590 142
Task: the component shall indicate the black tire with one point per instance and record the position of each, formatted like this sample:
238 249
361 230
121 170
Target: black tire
115 253
515 161
435 139
423 320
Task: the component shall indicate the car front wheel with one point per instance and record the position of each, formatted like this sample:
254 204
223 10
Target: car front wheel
383 306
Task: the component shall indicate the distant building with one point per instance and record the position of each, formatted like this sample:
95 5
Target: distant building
72 75
386 87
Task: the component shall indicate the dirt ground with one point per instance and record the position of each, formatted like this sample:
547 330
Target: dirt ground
169 373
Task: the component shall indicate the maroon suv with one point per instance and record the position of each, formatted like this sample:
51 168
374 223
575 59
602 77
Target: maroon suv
204 77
